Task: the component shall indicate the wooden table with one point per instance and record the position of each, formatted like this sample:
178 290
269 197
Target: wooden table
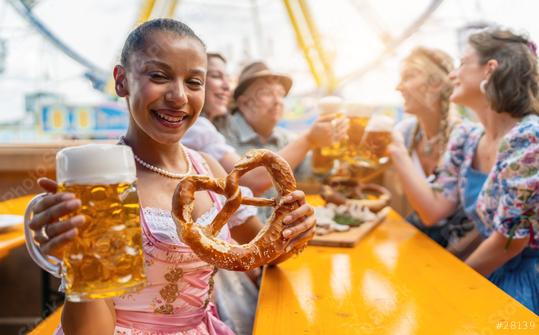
395 281
48 325
14 237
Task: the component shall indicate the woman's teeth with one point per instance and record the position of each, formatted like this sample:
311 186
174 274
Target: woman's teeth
169 118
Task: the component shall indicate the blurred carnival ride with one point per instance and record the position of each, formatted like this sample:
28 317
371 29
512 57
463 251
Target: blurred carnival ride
54 116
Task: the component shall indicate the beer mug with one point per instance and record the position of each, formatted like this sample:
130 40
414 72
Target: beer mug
373 145
332 105
322 158
358 116
105 259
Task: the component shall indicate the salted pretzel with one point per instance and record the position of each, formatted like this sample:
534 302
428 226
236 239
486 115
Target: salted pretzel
267 245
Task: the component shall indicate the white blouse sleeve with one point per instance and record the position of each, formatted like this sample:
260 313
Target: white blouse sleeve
203 136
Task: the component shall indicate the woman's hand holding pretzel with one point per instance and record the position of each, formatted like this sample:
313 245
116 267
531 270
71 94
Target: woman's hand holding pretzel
287 231
300 223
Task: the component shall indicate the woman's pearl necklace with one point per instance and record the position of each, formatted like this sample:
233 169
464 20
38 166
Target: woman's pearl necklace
161 171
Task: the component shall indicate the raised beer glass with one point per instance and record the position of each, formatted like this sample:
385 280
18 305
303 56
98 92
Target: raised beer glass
323 158
358 116
106 258
373 146
333 106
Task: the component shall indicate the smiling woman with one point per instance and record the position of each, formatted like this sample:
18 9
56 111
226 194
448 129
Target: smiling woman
217 87
163 92
162 77
425 87
490 170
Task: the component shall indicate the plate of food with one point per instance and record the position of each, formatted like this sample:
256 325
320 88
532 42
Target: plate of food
347 211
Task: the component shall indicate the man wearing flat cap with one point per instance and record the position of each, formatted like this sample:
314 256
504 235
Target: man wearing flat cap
259 100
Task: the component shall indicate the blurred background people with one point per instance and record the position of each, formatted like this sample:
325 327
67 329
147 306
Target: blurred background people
259 106
491 170
237 293
203 135
426 88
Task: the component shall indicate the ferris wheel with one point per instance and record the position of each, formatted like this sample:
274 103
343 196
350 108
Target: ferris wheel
304 28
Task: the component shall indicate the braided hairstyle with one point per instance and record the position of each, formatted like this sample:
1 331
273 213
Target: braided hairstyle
436 65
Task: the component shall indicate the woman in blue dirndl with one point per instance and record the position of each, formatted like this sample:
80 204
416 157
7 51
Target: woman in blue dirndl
491 169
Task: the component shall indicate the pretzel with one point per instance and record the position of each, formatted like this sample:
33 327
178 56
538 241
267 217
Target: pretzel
329 194
267 245
375 205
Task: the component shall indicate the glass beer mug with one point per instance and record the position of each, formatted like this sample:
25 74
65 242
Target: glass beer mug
105 259
376 138
358 116
322 158
332 105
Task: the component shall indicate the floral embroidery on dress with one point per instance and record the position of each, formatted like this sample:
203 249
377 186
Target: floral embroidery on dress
511 193
509 200
174 275
457 159
169 293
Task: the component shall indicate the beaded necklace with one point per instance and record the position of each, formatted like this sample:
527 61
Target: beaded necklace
162 171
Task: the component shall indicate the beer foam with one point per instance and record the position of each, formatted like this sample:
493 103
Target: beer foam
95 164
355 109
380 123
329 105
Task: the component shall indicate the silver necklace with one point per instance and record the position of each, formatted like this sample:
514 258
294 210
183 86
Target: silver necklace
428 144
161 171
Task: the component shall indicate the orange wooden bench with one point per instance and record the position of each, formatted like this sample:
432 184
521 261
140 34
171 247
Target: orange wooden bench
49 325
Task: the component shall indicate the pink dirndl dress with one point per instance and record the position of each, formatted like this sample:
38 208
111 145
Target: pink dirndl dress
177 297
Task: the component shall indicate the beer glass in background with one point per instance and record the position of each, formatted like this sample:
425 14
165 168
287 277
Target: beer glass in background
321 164
358 116
332 105
106 258
323 158
373 145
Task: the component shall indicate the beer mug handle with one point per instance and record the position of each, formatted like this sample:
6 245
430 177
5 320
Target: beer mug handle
48 263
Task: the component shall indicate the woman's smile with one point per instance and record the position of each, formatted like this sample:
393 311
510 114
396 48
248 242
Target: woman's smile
169 119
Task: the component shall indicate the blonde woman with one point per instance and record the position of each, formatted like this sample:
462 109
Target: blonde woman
426 88
491 169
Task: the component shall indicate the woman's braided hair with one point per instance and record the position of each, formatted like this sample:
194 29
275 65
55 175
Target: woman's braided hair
436 65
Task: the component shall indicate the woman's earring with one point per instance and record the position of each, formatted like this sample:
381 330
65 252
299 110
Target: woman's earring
483 86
